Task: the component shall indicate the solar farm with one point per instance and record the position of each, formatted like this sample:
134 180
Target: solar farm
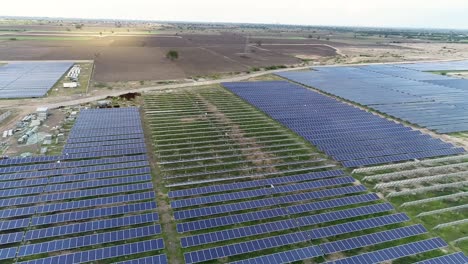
281 171
94 203
30 79
407 92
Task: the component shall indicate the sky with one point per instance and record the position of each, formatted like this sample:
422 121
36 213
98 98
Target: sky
373 13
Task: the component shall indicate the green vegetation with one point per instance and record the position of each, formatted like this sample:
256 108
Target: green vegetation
172 55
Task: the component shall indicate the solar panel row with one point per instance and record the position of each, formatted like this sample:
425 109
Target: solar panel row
89 240
402 91
252 184
256 215
219 209
102 253
291 238
111 198
261 192
30 79
297 107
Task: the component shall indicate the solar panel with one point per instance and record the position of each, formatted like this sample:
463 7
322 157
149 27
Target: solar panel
159 259
7 253
372 239
228 234
91 226
226 208
393 252
89 240
252 184
30 79
288 239
95 192
261 192
97 183
11 238
93 213
49 208
336 123
455 258
285 257
277 212
408 94
102 253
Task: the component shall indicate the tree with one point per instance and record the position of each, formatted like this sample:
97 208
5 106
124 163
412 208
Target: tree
172 55
79 26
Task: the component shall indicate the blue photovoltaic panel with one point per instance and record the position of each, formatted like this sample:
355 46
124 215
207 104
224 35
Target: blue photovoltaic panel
226 208
102 253
159 259
278 212
14 224
393 252
30 79
91 226
11 238
94 182
261 192
71 164
252 184
289 239
400 90
325 121
95 192
93 213
7 253
455 258
285 257
258 229
96 202
372 239
89 240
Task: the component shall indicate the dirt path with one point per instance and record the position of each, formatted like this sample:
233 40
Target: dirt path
338 51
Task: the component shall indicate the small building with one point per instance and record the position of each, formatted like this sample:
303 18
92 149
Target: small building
42 113
70 85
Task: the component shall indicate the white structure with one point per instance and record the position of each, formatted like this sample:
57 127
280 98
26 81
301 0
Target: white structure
70 85
42 113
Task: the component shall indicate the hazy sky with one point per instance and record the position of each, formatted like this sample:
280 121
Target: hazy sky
377 13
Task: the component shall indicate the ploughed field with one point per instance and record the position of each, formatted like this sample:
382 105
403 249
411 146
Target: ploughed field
129 58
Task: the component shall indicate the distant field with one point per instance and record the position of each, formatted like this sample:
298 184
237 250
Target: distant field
42 38
121 58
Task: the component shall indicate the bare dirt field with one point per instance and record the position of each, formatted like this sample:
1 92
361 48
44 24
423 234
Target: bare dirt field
127 58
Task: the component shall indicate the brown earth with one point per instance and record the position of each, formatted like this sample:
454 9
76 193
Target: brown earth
127 58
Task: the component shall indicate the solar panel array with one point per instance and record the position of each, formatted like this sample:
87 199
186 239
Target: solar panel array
279 217
85 210
30 79
404 91
348 134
